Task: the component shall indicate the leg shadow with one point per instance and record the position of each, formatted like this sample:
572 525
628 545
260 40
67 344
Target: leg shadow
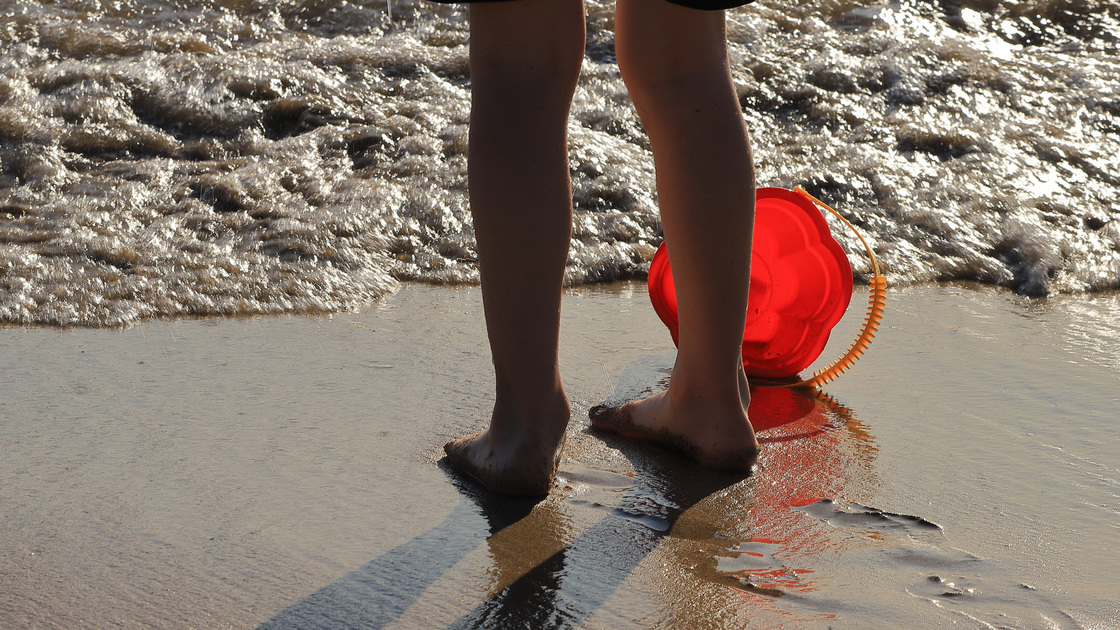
379 592
574 582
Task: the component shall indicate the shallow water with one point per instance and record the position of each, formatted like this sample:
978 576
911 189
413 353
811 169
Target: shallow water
169 158
285 472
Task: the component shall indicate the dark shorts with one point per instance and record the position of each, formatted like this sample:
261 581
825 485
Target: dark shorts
705 5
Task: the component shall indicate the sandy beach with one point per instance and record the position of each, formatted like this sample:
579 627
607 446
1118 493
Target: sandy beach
285 472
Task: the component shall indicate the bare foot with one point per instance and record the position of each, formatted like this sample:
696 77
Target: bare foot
511 458
717 436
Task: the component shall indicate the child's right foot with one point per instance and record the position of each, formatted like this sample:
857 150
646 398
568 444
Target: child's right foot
513 458
528 473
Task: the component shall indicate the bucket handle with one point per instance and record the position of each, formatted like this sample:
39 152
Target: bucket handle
877 304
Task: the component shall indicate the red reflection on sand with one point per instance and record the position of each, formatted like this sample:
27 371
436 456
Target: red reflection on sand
812 448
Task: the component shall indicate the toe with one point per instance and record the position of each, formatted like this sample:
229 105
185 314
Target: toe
601 413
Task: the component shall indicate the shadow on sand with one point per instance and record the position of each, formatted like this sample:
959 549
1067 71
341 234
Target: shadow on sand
542 577
559 591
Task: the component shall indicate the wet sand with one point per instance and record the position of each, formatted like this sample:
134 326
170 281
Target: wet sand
286 472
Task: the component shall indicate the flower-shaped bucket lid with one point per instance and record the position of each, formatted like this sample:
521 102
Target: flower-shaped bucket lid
801 285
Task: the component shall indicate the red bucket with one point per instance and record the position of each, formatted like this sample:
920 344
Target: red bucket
801 284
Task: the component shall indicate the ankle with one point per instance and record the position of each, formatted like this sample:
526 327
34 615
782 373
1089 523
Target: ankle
688 393
530 418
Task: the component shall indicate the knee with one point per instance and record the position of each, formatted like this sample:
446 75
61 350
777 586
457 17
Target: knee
533 91
645 64
665 89
539 74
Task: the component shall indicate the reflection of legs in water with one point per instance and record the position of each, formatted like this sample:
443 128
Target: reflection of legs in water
674 62
525 61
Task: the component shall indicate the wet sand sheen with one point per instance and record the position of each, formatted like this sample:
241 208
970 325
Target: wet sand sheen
285 472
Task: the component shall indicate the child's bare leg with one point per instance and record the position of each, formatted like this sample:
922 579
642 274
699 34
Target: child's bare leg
525 61
674 61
